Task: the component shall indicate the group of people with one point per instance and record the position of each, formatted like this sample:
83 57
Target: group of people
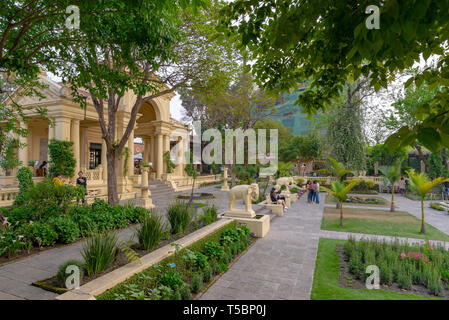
446 191
313 192
80 181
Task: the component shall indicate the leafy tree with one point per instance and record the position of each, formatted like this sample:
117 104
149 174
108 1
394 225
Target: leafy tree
340 192
436 164
10 159
25 177
421 185
392 174
331 45
381 154
168 46
62 158
300 148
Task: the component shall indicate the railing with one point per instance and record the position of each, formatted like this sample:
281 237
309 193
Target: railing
7 196
94 176
181 182
376 180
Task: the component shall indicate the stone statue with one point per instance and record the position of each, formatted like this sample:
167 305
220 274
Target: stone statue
247 193
284 181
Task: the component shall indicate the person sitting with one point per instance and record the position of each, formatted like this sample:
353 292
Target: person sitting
274 196
42 171
57 180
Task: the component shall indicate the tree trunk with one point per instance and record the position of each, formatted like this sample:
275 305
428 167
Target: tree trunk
423 226
392 199
341 214
112 159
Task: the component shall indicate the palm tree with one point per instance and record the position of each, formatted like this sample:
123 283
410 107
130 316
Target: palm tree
392 174
340 192
421 184
337 169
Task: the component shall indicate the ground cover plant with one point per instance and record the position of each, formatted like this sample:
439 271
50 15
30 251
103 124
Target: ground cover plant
187 271
401 263
47 215
381 222
326 285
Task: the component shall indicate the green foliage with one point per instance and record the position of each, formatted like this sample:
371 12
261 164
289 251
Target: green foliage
300 148
10 159
436 165
381 154
179 216
150 231
99 252
11 242
130 254
40 233
167 160
337 169
67 229
61 276
197 282
46 199
125 155
62 158
208 216
25 177
213 251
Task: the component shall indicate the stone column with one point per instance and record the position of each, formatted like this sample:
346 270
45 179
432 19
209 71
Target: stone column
51 135
104 160
146 150
75 137
423 167
131 155
62 128
152 150
225 186
23 150
158 156
166 148
376 168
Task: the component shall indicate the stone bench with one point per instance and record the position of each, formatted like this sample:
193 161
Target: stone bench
275 208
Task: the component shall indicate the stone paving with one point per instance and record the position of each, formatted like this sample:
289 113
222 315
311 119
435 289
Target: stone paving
279 266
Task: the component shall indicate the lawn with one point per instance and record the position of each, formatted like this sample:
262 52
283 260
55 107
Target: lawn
380 222
382 202
325 281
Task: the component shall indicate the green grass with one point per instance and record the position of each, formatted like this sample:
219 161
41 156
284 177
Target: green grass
386 224
325 281
382 202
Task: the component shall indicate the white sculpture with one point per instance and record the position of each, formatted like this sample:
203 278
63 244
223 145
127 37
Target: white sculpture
247 193
284 181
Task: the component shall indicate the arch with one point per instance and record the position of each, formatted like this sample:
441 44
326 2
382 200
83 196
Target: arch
149 111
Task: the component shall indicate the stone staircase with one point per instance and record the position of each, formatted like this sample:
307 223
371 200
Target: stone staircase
159 190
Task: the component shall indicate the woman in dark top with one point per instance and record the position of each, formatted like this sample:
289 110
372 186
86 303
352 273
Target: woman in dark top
275 197
82 181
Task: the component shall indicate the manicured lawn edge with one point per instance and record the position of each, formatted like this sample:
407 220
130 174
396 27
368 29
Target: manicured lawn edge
325 279
98 286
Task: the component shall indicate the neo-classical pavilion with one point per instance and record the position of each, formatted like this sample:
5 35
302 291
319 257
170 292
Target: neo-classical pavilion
154 126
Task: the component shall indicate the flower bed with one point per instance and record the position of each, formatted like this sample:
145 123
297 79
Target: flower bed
418 269
188 271
26 232
359 200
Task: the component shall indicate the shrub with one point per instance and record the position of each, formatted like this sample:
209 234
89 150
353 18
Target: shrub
209 215
300 181
62 158
66 228
150 232
48 200
207 274
171 279
40 233
25 177
186 294
61 276
197 282
179 216
213 250
99 252
200 261
10 242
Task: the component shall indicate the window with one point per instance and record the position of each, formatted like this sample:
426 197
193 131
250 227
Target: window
94 155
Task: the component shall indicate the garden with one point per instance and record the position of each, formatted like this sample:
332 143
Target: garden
333 280
104 251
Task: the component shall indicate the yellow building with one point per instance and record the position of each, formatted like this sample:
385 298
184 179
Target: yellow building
154 126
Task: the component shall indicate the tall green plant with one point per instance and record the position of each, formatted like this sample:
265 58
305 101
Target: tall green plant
25 177
62 158
169 164
421 185
179 216
99 252
392 174
340 192
151 231
337 169
10 159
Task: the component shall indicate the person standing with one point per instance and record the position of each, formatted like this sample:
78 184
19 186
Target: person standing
316 193
312 192
402 186
82 181
309 191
